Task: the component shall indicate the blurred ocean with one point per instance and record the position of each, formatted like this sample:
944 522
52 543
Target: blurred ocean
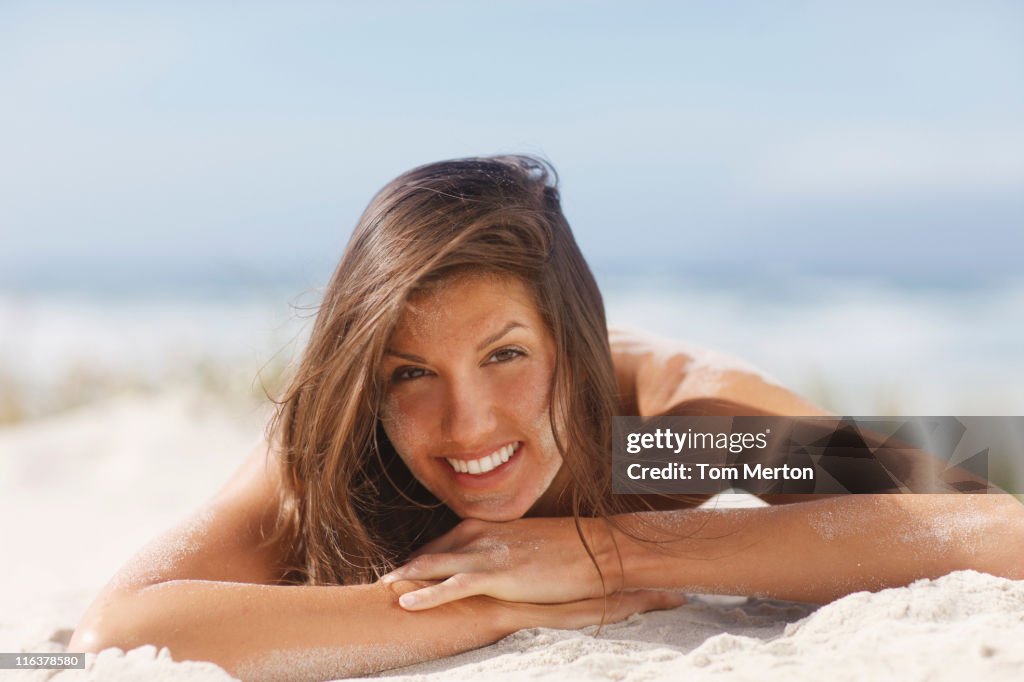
856 347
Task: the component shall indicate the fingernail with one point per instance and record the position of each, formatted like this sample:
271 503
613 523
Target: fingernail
388 578
408 599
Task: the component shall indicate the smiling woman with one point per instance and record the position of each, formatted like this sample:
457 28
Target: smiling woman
461 320
437 474
470 418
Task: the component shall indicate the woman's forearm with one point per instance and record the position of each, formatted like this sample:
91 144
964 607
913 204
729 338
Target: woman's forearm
291 632
821 550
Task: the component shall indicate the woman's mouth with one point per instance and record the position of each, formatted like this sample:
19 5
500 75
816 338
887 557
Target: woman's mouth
487 463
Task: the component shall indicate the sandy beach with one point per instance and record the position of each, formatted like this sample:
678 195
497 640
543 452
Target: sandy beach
84 490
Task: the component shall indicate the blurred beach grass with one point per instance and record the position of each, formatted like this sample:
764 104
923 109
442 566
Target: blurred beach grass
82 384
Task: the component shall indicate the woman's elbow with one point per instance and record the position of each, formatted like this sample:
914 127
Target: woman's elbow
106 625
88 639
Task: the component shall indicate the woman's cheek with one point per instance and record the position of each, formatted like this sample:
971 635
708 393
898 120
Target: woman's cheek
401 426
533 405
529 393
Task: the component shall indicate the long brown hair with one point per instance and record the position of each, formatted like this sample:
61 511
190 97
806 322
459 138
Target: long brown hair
349 508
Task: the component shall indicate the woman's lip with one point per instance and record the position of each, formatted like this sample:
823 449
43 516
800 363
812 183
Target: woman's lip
486 480
480 454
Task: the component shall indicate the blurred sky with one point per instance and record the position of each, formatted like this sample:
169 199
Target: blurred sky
163 142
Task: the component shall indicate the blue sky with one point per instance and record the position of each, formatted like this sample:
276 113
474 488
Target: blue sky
168 139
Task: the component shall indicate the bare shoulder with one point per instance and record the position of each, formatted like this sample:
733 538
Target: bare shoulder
221 541
656 374
663 376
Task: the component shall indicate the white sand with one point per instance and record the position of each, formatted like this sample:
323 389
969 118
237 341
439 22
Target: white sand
81 492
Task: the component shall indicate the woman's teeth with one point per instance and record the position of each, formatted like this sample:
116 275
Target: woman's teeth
484 464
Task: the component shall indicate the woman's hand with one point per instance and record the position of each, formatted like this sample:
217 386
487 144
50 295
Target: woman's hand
580 614
537 560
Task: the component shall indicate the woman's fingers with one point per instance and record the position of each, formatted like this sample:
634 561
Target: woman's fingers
625 604
434 567
615 607
456 587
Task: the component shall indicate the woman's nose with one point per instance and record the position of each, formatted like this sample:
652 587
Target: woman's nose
469 416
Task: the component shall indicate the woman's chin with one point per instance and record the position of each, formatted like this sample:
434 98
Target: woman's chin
496 513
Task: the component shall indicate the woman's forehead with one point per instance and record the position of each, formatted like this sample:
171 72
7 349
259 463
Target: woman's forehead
469 302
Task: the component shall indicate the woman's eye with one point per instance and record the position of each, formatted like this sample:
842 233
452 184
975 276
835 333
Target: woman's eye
506 354
407 373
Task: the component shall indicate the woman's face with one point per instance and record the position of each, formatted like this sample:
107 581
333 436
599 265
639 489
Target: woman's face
467 377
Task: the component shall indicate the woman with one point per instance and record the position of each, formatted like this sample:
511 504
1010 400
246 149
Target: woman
437 474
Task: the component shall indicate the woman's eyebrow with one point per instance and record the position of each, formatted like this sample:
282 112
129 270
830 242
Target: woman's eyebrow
483 344
507 328
405 356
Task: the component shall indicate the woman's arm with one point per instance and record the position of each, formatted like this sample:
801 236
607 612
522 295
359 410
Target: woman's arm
824 549
814 552
207 590
278 632
271 632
